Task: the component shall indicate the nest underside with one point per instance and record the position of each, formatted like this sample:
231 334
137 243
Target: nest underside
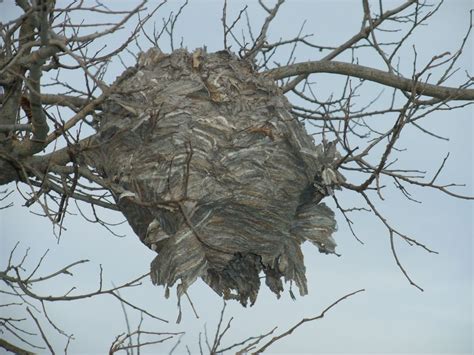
215 174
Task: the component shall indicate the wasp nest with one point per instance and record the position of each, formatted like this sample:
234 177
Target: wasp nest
215 174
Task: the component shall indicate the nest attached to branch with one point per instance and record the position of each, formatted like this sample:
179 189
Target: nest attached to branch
215 174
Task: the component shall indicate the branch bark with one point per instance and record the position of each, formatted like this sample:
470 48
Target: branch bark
371 74
60 100
13 348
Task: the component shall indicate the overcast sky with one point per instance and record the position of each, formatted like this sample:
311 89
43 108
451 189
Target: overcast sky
391 316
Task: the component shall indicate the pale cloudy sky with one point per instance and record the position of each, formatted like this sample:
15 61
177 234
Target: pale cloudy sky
390 317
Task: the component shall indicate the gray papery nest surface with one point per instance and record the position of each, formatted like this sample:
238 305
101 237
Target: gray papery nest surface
215 174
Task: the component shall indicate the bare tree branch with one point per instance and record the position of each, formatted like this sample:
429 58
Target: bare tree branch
371 74
13 348
305 320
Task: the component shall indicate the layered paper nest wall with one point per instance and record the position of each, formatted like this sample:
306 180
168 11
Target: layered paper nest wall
217 176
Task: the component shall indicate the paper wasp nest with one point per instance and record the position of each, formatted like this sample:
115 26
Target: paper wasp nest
215 174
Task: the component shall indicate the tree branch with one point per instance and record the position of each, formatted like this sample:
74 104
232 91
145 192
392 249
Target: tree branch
375 75
13 348
304 320
363 33
60 100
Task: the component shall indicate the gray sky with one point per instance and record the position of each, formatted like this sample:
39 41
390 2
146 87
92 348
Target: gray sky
391 316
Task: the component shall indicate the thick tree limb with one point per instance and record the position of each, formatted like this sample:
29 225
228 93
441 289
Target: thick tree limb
371 74
15 127
12 95
42 54
38 118
13 348
60 100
